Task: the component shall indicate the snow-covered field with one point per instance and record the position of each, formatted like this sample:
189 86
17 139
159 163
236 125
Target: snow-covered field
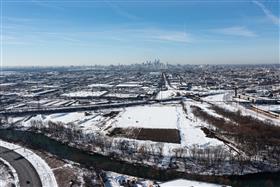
44 171
220 100
129 85
188 183
149 116
84 94
100 86
156 116
191 132
86 121
170 116
273 108
116 180
69 117
122 95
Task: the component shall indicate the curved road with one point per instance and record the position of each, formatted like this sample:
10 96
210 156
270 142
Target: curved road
26 173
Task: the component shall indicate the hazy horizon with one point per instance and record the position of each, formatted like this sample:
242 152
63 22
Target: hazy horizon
85 33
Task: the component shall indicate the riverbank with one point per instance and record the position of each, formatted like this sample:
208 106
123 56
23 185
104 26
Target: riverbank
88 159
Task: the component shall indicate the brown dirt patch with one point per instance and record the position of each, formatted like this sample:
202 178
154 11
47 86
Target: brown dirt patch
157 135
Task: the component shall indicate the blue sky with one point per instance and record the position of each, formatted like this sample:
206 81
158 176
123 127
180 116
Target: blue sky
53 32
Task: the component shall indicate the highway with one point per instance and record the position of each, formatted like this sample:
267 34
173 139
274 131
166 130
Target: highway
26 173
32 111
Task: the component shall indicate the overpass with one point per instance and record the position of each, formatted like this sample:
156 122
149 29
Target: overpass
32 111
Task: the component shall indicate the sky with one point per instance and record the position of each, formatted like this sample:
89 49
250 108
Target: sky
89 32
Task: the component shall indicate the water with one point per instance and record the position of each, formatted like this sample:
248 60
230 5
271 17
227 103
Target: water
97 161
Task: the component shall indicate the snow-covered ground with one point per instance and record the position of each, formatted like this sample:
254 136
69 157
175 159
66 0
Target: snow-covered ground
170 116
148 116
69 117
8 175
190 128
167 94
156 116
188 183
100 86
86 121
220 100
119 180
122 95
129 85
44 171
272 108
85 94
116 180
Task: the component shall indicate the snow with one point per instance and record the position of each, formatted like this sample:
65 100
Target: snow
199 88
272 108
148 116
50 86
16 106
52 103
115 180
15 119
8 94
188 183
169 116
7 178
241 100
214 98
191 132
166 94
206 107
86 122
44 171
156 116
41 93
220 100
169 93
100 85
8 84
67 117
122 95
128 85
85 94
60 103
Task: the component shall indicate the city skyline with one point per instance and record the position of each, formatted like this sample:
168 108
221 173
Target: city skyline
62 33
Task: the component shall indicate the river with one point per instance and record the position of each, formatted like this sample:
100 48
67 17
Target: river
87 159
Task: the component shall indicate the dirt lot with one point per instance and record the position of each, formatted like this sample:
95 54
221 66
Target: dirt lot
157 135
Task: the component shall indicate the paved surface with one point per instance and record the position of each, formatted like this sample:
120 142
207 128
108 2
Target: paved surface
26 173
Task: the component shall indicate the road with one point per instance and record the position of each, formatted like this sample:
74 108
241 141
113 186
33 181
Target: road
26 111
26 173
